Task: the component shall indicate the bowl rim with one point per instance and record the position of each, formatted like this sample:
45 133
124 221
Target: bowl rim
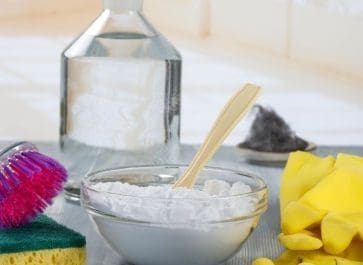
85 183
261 205
8 151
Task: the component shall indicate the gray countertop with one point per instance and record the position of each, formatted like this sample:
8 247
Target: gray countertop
263 241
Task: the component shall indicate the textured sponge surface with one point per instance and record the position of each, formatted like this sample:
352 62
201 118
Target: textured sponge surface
41 234
65 256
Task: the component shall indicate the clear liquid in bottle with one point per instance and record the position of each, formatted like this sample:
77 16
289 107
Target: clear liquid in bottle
120 88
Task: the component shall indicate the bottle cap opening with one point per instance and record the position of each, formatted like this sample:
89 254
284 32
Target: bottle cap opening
123 5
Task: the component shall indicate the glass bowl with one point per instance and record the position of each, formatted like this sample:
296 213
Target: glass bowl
163 230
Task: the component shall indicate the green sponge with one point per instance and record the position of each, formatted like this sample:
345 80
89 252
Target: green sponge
41 242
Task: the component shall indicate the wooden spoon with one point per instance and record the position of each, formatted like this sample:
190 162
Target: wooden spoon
231 114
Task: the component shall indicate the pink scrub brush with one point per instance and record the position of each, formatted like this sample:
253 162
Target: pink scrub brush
29 181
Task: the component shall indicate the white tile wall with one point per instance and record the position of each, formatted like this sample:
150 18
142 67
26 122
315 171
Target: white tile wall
328 34
318 105
11 8
185 16
9 78
325 32
28 113
257 23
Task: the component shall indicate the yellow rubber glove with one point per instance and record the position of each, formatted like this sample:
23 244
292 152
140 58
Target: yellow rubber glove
302 172
352 256
337 233
305 240
357 220
339 192
298 216
262 261
316 257
351 162
355 251
329 199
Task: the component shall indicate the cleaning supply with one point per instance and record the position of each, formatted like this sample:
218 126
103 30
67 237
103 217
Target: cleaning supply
321 211
316 257
159 225
332 204
270 133
168 205
29 181
42 241
302 172
304 240
270 139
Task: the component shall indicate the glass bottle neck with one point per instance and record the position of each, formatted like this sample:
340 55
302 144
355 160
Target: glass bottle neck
123 5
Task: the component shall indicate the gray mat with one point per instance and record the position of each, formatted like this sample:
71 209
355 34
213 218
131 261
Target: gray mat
263 241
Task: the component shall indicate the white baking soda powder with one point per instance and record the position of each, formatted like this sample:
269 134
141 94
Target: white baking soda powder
178 226
216 201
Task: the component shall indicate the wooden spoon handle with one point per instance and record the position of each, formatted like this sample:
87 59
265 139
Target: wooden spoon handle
231 114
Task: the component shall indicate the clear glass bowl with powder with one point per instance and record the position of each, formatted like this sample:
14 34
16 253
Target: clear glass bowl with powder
147 223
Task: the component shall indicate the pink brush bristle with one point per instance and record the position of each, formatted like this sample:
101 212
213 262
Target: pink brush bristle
29 181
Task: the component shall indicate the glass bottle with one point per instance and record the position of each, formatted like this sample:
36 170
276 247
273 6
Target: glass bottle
120 95
120 86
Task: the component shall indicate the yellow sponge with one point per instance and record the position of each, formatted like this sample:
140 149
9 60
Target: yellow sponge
67 256
42 242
